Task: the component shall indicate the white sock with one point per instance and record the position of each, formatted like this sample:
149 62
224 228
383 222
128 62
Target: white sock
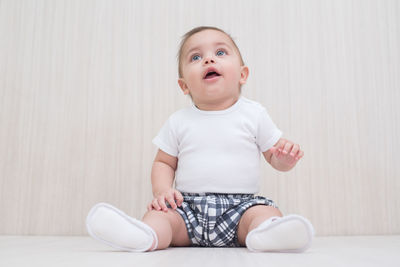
116 229
291 233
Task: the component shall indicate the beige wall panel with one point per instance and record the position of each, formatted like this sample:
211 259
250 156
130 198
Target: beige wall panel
86 85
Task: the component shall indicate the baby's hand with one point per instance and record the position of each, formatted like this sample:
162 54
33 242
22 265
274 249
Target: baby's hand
287 152
158 203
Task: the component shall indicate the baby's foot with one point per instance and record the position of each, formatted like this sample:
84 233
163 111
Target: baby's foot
116 229
291 233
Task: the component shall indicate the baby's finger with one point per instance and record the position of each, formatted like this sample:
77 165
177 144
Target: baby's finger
151 207
178 197
300 155
280 144
155 204
161 201
278 153
287 148
279 147
171 201
295 150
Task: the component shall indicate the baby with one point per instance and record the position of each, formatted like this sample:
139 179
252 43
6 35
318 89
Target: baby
211 150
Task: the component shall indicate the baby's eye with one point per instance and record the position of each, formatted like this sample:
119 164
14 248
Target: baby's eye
220 53
195 57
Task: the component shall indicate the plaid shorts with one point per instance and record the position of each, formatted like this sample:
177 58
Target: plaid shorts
212 219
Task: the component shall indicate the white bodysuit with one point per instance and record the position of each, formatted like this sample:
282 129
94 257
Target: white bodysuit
218 151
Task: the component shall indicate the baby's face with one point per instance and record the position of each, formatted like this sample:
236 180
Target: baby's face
211 51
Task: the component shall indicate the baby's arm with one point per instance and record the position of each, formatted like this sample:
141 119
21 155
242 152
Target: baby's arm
162 178
284 155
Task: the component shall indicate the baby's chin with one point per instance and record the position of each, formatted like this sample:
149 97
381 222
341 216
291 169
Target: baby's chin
214 97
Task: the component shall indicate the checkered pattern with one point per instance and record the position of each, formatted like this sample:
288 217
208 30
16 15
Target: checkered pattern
212 219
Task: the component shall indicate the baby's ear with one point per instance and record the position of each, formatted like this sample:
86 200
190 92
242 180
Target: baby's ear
183 86
244 74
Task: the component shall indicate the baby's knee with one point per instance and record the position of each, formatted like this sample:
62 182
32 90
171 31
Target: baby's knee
169 217
155 214
264 210
158 220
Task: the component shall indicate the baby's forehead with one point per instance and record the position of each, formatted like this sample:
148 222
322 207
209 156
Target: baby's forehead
207 37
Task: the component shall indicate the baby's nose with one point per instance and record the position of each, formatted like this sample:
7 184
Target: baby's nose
208 60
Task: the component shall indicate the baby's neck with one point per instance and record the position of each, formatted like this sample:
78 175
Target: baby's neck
225 104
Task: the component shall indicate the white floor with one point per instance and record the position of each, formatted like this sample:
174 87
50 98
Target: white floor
362 251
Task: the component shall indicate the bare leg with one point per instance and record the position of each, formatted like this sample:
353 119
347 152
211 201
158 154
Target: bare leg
169 227
252 218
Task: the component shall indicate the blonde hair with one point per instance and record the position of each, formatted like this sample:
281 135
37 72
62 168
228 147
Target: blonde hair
194 31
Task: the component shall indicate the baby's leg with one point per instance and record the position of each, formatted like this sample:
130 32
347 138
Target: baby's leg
169 227
115 228
262 228
252 218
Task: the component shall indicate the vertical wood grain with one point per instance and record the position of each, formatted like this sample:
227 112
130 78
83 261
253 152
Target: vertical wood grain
86 85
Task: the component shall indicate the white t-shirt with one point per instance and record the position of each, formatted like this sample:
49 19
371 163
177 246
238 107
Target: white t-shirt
218 151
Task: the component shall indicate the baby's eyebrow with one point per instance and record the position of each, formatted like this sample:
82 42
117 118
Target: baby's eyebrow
215 44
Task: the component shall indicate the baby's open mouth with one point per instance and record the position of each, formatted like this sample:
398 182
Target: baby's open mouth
211 74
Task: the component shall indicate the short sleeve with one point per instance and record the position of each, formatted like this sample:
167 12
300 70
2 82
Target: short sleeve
166 139
267 132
